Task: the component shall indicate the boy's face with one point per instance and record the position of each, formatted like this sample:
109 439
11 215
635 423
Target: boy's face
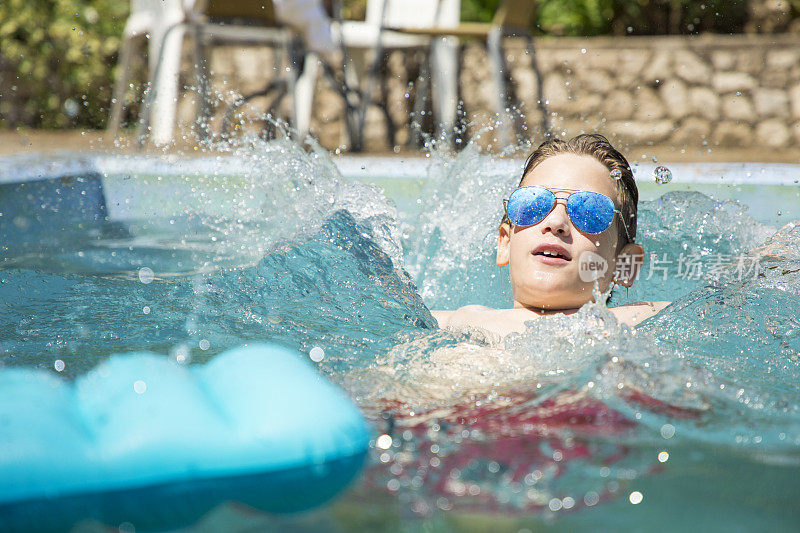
555 283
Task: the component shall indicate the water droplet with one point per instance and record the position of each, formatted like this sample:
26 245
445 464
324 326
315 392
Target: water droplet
70 108
384 442
667 431
146 275
591 498
616 174
636 497
204 344
59 365
662 175
181 354
139 386
663 457
146 309
316 354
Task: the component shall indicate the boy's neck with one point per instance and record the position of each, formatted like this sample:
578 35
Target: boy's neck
545 310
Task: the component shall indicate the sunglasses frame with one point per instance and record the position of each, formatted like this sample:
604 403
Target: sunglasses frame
571 192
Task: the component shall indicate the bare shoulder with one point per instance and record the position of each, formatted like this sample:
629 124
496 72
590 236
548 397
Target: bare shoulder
654 306
460 316
636 312
442 317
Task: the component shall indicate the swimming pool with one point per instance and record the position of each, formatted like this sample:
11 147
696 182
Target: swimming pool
690 422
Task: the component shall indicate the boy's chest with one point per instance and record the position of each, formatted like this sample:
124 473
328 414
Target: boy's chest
507 321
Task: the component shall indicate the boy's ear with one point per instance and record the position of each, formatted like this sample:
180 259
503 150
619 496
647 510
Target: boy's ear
629 261
503 244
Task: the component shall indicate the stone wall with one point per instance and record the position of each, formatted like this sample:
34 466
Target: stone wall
716 90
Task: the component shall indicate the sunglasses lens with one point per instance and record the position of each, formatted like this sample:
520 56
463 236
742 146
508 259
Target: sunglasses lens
529 205
590 212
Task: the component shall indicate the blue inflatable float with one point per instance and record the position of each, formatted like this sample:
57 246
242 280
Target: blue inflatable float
144 440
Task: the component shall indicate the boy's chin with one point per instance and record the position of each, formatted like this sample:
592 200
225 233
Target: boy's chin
564 305
557 299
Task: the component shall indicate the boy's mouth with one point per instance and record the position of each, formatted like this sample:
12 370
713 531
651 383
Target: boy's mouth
552 254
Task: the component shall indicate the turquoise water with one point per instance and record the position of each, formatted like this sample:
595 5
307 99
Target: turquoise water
691 421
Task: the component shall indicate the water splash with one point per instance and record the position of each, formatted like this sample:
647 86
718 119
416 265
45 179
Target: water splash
269 243
221 214
744 334
451 245
661 174
337 291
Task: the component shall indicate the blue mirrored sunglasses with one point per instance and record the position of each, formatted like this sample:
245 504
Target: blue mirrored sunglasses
590 212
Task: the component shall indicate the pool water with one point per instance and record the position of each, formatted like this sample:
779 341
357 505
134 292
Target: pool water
690 421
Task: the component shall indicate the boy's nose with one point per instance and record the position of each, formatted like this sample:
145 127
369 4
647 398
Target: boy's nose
557 221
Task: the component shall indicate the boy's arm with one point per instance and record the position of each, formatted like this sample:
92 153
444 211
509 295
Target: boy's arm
460 317
442 317
637 312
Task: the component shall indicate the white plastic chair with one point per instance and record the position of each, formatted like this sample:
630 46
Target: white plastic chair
166 21
147 17
373 34
512 19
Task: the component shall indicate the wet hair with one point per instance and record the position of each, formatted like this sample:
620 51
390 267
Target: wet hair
596 146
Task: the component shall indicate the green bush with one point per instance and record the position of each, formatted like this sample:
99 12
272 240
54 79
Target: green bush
478 10
620 17
57 61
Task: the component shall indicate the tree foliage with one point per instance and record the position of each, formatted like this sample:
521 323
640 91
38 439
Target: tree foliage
620 17
57 59
616 17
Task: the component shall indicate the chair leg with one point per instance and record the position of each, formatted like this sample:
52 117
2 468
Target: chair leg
278 85
303 97
444 83
391 130
366 97
460 132
494 45
147 102
348 86
120 86
421 89
295 56
271 125
168 56
353 99
542 104
202 113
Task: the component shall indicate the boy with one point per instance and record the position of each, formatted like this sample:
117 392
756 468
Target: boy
570 222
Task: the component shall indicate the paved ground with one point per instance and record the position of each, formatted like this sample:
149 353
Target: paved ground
43 141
